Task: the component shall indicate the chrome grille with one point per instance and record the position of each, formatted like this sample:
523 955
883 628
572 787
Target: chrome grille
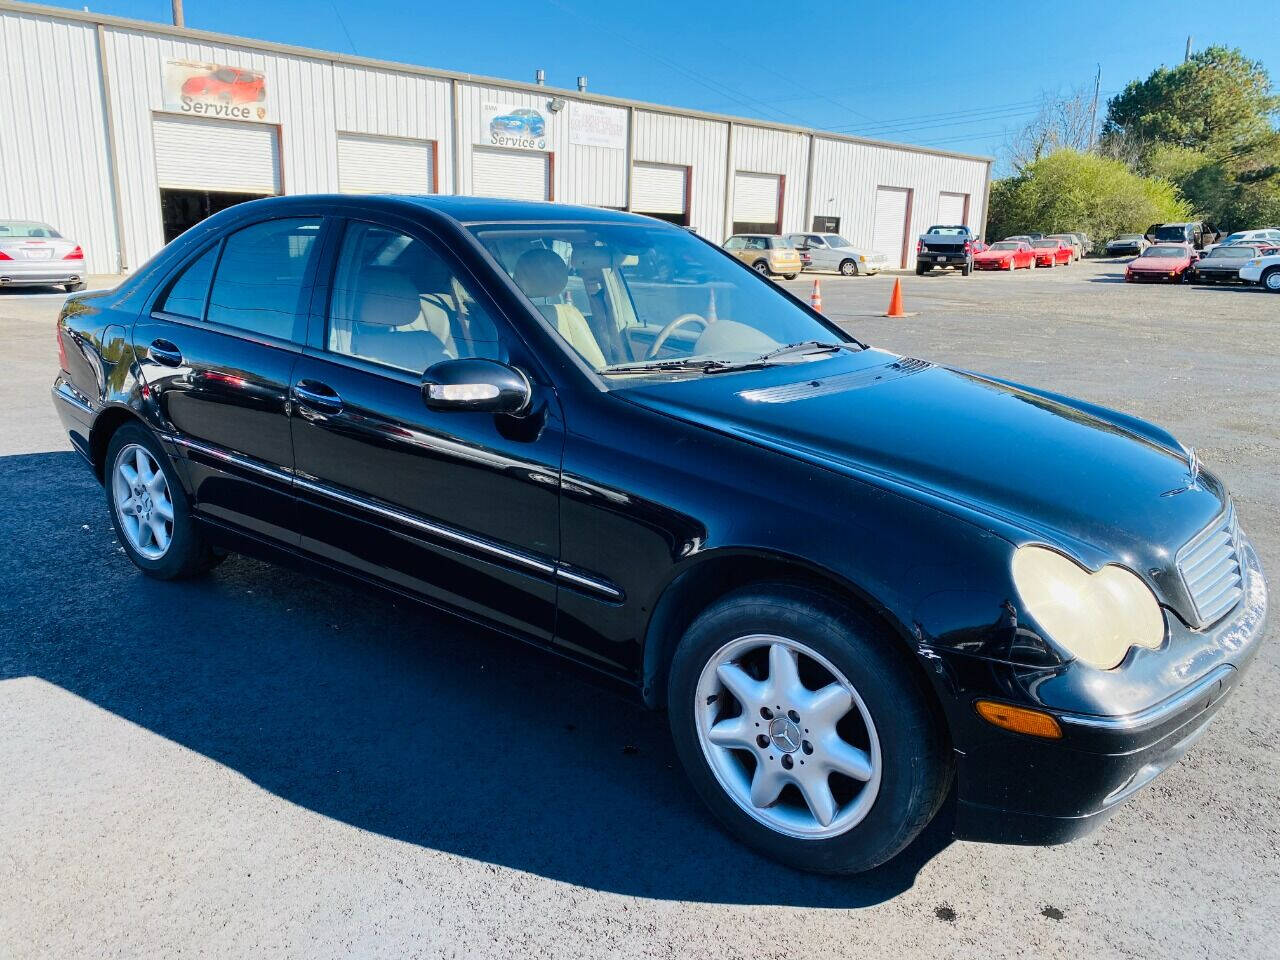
1210 569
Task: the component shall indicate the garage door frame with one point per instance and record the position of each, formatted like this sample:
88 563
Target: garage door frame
964 213
907 251
687 212
433 144
277 134
551 166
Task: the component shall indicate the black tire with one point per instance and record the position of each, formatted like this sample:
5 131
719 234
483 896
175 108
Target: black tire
916 763
848 268
188 553
921 270
790 276
761 267
1270 281
74 287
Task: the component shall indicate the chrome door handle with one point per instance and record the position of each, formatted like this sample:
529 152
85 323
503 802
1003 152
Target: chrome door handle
165 353
317 395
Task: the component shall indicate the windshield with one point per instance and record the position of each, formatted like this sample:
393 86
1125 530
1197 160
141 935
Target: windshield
1045 244
1231 253
26 228
1005 245
1165 252
1128 236
623 294
1170 233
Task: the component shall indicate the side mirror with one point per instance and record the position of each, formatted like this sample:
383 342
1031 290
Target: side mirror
477 384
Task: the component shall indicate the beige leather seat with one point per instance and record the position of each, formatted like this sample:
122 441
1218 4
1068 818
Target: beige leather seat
543 275
387 323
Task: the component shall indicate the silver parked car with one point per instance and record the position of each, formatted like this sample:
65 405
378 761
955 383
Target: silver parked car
830 251
33 254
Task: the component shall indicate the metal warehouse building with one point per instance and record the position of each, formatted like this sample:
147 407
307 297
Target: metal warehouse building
123 133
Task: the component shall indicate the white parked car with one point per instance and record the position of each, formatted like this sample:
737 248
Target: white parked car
1247 236
830 251
34 254
1264 271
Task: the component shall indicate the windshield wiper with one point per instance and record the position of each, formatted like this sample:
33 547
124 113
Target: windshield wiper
702 364
786 350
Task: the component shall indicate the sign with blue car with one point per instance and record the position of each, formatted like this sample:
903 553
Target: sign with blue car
510 126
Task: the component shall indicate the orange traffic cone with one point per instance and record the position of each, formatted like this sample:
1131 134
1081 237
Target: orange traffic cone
895 301
815 298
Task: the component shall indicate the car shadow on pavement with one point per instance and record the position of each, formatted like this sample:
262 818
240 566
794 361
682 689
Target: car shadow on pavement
378 713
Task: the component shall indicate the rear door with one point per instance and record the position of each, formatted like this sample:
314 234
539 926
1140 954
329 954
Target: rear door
217 349
459 507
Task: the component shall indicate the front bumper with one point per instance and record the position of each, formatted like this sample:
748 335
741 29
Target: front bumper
1018 789
1216 275
1154 276
31 273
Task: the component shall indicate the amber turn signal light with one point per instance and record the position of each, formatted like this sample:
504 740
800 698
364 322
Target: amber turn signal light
1034 723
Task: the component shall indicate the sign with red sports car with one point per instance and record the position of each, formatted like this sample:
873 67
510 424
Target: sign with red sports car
214 90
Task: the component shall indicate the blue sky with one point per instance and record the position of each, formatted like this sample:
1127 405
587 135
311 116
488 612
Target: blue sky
957 76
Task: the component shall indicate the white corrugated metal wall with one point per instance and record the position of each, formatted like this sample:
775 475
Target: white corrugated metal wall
847 174
63 174
53 147
759 150
692 142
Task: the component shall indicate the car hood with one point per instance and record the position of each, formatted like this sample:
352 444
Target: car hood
1102 486
994 254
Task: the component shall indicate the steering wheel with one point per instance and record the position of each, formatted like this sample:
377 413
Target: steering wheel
671 328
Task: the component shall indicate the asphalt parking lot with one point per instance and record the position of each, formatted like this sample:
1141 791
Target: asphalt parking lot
258 764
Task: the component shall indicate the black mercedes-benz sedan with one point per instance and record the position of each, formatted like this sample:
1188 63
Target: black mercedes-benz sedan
855 581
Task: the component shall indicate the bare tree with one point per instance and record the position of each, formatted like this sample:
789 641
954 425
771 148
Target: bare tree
1063 120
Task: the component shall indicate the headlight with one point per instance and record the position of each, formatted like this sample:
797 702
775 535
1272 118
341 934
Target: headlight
1096 617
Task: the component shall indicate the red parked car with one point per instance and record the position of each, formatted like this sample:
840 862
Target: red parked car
1167 262
1005 255
228 85
1052 253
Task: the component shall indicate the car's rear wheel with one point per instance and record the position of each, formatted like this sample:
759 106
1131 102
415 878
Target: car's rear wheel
1271 280
73 287
848 268
805 730
790 276
149 508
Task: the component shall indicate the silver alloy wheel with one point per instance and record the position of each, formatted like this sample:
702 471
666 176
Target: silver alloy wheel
1272 281
143 504
776 743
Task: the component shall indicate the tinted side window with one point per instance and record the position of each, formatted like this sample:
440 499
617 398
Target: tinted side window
185 296
734 243
258 286
395 301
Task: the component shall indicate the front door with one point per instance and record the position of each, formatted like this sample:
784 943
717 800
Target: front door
217 351
458 507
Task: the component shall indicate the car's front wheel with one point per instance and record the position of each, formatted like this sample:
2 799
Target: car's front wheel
149 508
848 268
805 730
1271 280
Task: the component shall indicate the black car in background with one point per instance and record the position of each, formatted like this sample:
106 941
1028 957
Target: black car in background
856 581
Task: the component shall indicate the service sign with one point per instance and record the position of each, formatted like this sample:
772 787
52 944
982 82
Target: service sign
214 90
509 126
591 125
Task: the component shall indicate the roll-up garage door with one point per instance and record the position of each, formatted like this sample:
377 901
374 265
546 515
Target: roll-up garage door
755 202
197 154
516 174
951 208
659 188
890 231
385 165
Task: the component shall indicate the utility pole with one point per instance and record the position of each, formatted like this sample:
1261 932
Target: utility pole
178 20
1093 119
1187 56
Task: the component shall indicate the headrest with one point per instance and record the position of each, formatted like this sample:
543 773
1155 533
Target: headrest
427 269
541 273
387 298
592 258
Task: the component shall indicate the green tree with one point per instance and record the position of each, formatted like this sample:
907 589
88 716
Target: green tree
1070 190
1218 101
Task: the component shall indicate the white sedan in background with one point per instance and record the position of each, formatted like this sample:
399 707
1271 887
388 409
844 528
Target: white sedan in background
34 254
830 251
1264 271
